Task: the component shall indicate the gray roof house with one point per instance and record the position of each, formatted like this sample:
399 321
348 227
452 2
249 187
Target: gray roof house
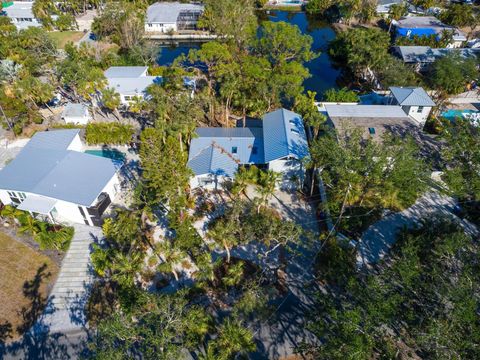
383 6
411 96
76 114
218 152
372 120
130 81
51 171
423 56
172 16
21 14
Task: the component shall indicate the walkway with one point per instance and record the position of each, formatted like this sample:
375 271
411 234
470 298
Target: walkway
65 310
60 332
377 240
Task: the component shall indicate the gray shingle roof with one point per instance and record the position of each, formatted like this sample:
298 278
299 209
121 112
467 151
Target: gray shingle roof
46 167
284 135
168 12
425 54
365 111
411 96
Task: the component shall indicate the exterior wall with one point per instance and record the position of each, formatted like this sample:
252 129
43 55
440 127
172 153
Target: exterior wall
76 144
208 181
69 212
162 28
413 111
112 188
292 170
4 198
76 120
126 99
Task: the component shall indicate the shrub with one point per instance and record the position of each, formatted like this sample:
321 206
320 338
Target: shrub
108 133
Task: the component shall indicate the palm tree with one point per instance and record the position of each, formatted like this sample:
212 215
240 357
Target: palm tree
234 274
125 267
395 12
171 257
223 233
28 224
111 100
267 184
233 339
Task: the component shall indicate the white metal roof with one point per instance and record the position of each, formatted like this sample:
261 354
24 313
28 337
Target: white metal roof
37 204
168 12
365 111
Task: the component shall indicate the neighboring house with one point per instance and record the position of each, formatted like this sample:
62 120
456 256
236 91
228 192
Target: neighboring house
422 57
20 12
165 17
414 101
130 81
54 180
410 26
278 144
383 6
372 120
76 114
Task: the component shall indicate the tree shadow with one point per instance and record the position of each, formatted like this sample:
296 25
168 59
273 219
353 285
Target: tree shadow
31 291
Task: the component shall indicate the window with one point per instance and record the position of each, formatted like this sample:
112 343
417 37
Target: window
371 131
254 150
128 97
420 109
295 131
234 149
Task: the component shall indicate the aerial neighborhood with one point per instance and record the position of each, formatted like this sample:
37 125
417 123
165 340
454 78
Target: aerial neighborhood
240 179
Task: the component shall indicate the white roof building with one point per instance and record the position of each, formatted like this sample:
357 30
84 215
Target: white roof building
21 14
172 16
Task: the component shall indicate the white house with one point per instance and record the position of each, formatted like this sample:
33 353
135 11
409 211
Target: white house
165 17
54 180
280 144
383 6
20 12
414 101
130 81
76 114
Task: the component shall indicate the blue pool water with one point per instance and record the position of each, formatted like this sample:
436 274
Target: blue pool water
452 114
108 153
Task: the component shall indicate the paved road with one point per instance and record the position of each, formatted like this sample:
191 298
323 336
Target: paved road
60 332
377 240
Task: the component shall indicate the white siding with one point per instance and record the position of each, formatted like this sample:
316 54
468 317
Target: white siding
162 28
292 170
69 212
76 144
208 181
420 116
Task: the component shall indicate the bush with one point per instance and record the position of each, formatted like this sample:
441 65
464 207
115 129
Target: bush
341 95
108 133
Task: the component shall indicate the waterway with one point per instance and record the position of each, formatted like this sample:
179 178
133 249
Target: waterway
323 74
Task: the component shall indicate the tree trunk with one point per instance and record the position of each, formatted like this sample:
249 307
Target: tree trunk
228 252
175 274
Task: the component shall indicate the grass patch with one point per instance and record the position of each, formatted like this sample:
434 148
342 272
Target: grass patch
24 282
61 38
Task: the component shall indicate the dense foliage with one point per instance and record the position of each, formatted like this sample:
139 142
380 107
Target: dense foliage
108 134
364 176
422 302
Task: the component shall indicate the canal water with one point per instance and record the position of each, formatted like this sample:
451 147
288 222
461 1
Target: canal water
323 74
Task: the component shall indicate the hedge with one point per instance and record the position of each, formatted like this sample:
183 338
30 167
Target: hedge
108 133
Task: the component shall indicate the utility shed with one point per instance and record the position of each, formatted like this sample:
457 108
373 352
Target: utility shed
76 114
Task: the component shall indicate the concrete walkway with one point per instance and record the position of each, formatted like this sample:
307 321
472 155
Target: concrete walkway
377 240
65 308
61 332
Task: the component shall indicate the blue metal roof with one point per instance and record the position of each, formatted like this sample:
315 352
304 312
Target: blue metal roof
284 136
411 96
222 150
45 167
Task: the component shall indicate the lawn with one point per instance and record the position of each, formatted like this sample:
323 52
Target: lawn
61 38
24 282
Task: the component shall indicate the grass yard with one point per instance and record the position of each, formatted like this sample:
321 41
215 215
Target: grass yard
25 276
61 38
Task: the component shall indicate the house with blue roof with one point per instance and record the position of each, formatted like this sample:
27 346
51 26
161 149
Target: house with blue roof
278 144
53 179
410 26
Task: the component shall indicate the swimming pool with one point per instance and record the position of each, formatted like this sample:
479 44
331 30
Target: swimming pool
108 153
452 114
